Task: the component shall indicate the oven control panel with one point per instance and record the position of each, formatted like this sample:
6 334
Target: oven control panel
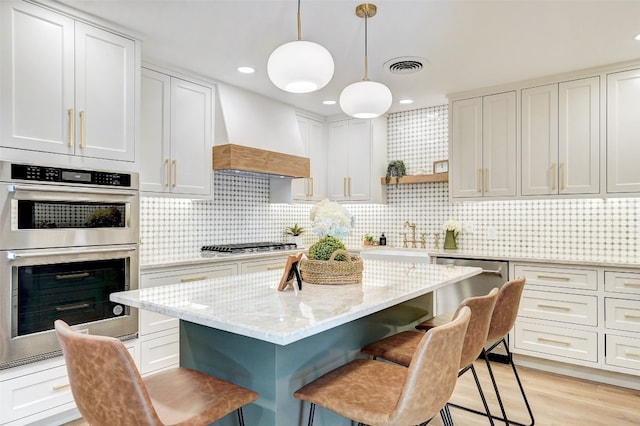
60 175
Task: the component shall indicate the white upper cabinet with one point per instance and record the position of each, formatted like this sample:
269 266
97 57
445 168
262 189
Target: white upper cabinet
176 135
561 138
483 147
314 139
356 159
623 131
67 87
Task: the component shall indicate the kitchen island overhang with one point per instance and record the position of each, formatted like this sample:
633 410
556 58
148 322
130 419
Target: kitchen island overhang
241 329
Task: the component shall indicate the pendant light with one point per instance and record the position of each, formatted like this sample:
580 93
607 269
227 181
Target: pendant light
300 66
366 98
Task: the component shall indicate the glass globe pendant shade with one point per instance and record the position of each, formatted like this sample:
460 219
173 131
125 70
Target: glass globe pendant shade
300 67
365 99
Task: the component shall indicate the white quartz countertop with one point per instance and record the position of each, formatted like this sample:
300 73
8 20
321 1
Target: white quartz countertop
251 305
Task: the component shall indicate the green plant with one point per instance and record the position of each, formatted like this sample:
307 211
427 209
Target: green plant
369 238
395 168
324 247
294 230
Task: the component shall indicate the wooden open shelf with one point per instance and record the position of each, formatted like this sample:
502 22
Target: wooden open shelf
436 177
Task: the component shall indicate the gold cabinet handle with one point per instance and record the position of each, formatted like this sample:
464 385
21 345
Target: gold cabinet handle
631 284
168 172
632 354
563 308
562 177
486 180
559 342
60 387
71 130
192 279
273 268
479 180
175 172
553 277
632 316
310 187
553 176
82 144
344 187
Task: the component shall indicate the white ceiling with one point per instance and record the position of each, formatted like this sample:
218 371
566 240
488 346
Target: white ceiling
466 44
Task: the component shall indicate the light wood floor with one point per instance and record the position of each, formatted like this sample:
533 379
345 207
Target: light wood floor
555 400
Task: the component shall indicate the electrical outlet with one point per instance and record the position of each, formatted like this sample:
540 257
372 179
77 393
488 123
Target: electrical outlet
492 233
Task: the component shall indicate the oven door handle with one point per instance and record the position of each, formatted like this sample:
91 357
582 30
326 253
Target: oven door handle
63 190
11 255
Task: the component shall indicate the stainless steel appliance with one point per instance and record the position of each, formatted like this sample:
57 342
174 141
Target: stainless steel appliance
494 274
226 249
69 238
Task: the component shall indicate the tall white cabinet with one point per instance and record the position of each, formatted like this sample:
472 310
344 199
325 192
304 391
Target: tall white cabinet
67 87
356 159
623 128
314 139
561 138
176 135
483 146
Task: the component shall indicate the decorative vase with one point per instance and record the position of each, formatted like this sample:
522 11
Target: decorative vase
450 241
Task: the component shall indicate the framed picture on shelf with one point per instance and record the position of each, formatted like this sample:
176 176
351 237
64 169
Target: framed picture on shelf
441 166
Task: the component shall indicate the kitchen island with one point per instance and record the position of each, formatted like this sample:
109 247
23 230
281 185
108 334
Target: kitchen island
242 329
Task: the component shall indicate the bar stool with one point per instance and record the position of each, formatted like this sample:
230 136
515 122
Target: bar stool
382 394
502 321
109 390
399 348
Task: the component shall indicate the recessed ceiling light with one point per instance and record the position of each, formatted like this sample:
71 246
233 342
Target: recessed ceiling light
329 102
637 37
406 101
246 70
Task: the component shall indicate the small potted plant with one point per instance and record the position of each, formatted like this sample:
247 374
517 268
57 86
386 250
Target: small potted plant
395 169
295 234
368 240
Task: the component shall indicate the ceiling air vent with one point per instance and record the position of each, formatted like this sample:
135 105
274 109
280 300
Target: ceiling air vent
405 65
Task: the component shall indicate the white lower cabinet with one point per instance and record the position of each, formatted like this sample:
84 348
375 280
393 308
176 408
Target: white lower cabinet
159 334
587 316
40 391
263 265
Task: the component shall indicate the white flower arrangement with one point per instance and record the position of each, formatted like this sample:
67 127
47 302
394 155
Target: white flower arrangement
330 219
453 225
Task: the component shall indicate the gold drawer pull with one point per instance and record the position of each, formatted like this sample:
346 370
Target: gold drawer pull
553 277
563 308
559 342
82 143
632 316
631 284
71 128
273 268
632 354
60 387
191 279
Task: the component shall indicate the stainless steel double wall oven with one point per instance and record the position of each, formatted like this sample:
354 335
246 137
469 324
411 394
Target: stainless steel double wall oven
68 238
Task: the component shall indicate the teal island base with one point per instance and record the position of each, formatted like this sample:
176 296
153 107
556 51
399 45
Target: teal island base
277 371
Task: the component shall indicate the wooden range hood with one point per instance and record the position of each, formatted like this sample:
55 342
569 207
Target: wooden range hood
255 160
256 134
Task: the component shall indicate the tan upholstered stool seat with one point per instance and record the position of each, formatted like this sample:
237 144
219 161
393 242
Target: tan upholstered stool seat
109 391
383 394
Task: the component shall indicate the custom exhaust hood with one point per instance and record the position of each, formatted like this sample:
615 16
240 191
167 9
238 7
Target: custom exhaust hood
254 134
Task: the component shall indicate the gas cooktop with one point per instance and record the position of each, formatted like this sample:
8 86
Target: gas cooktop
218 249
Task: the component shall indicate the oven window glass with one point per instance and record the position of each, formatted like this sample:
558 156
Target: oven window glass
76 292
49 214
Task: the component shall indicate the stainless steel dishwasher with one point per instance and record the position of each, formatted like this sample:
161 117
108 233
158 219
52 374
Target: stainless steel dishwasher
494 274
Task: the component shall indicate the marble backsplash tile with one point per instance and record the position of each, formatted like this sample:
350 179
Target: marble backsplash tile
240 210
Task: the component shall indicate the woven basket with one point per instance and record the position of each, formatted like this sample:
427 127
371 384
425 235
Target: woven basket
333 272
